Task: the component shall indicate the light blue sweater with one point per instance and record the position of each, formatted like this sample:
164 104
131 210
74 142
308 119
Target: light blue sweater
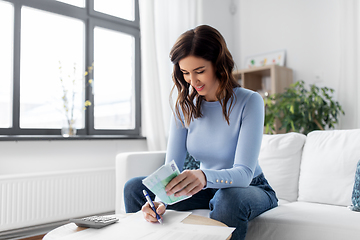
228 154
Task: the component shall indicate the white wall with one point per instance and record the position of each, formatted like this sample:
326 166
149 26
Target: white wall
218 14
307 29
22 157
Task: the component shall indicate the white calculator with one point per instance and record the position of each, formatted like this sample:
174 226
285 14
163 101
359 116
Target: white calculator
94 221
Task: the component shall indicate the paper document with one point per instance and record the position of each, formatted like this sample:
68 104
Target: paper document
183 231
157 181
173 229
135 227
169 218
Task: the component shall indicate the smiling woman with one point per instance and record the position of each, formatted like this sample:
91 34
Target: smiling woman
194 49
201 76
220 124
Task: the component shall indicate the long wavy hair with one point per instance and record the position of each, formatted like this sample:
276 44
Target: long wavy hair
205 42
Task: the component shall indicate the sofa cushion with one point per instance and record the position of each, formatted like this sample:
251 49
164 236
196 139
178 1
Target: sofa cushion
355 199
303 220
327 167
279 159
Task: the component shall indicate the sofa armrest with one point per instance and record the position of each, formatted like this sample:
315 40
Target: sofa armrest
134 164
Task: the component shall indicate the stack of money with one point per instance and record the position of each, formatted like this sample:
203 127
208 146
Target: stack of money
157 181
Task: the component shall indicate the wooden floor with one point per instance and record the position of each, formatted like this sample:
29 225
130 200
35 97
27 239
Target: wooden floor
40 237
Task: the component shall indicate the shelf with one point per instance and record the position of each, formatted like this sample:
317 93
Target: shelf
268 79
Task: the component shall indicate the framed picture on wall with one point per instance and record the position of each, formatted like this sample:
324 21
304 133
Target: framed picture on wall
268 58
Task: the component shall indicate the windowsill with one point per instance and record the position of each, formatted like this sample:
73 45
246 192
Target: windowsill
59 137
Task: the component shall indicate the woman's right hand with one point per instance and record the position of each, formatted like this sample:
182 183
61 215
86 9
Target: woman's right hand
149 214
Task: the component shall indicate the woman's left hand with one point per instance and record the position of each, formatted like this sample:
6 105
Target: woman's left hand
187 183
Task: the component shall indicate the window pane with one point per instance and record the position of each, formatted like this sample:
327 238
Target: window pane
46 40
118 8
6 63
78 3
113 80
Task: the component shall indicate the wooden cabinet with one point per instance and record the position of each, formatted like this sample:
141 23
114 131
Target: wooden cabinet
265 80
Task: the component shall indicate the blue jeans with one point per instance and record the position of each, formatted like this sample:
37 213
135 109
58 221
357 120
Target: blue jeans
233 206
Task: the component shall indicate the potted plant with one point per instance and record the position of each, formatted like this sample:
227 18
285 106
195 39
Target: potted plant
301 110
70 90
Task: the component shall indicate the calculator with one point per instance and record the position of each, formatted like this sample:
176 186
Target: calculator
94 221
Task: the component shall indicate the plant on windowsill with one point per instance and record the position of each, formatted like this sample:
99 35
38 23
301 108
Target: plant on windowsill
301 110
68 98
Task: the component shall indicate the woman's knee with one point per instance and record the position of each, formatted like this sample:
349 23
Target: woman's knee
133 197
132 184
220 204
227 205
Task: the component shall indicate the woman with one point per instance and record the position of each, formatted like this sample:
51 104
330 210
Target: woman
221 125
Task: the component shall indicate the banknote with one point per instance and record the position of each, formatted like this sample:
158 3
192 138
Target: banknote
157 181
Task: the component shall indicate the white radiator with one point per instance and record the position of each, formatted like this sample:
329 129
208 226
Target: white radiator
34 199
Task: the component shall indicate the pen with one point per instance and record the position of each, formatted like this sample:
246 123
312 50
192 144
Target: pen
152 205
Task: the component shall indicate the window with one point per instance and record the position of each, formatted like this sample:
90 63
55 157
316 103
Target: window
46 40
122 9
113 106
6 49
66 60
78 3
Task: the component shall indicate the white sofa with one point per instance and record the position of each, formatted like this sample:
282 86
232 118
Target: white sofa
312 175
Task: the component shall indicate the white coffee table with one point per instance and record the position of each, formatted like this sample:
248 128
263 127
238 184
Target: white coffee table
70 228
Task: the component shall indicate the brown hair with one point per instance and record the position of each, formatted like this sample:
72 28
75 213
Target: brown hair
205 42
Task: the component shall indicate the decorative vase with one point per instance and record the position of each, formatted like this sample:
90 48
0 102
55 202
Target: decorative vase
68 130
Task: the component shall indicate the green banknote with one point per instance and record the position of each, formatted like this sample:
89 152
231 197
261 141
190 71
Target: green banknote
157 181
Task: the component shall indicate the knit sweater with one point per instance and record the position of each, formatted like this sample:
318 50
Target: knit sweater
228 153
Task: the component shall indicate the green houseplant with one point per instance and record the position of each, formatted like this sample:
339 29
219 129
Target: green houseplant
301 110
